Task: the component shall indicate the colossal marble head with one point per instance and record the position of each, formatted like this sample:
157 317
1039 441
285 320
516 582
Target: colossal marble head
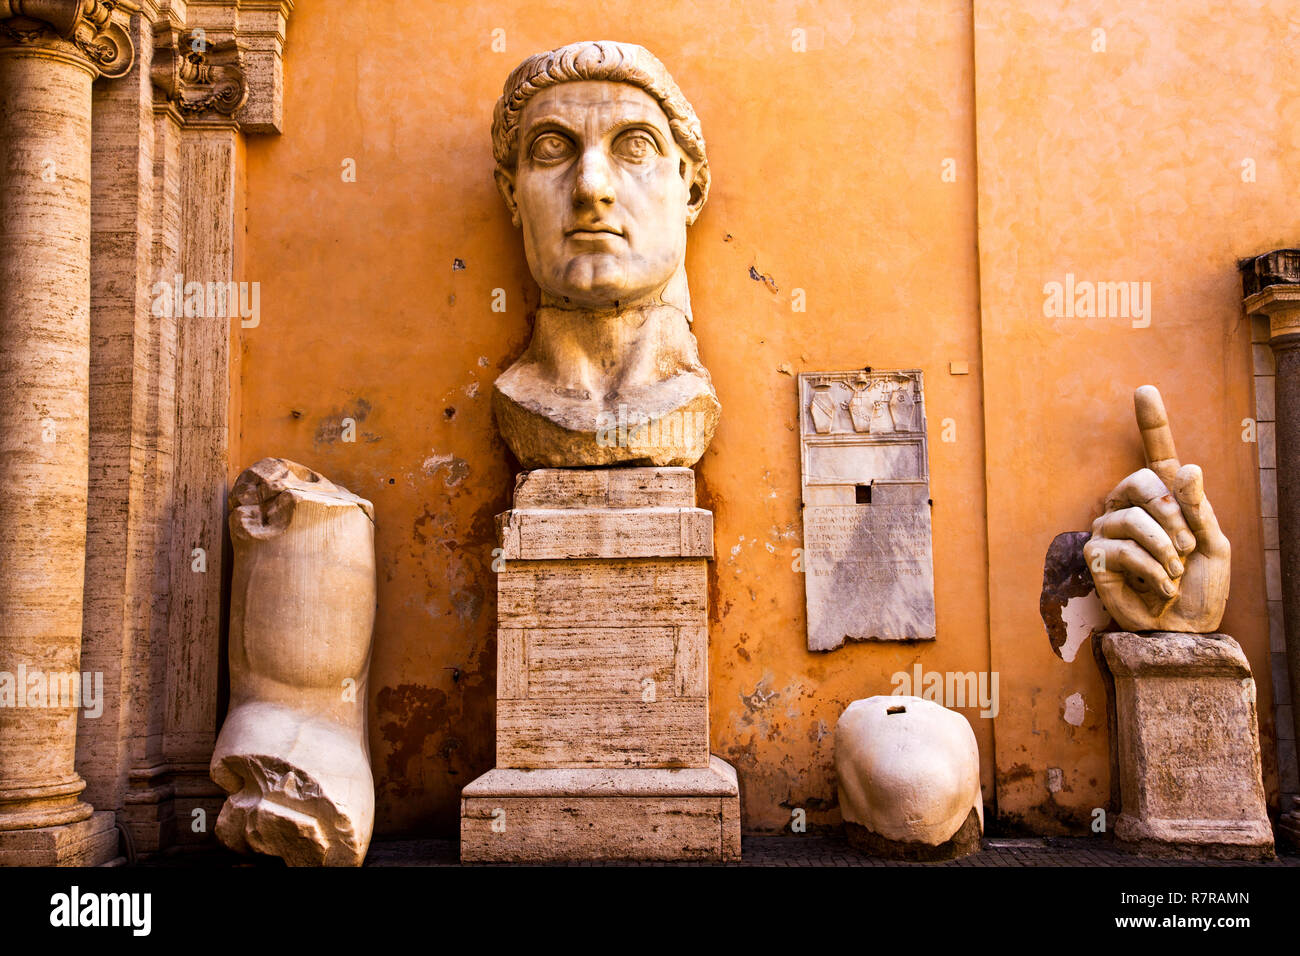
601 162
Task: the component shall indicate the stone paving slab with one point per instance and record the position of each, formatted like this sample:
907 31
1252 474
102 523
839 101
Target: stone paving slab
765 851
810 850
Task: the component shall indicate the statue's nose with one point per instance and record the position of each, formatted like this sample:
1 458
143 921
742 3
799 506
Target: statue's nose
595 184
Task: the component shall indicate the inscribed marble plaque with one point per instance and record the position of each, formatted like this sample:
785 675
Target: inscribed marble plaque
867 555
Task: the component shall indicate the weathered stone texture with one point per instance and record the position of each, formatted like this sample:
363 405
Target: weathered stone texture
293 752
909 778
1188 746
867 554
602 677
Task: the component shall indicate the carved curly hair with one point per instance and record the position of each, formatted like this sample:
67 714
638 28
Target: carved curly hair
596 60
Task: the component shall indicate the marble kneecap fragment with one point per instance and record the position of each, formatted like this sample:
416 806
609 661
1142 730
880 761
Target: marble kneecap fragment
908 770
293 752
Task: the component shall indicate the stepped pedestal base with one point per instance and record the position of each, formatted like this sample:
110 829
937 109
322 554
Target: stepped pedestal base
602 677
638 814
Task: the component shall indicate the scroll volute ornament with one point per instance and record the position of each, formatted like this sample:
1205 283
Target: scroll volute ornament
198 75
86 24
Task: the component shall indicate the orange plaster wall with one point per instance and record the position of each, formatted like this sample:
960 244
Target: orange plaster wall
1122 165
826 178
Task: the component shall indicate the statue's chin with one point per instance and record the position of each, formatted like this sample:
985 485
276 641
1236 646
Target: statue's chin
599 282
599 300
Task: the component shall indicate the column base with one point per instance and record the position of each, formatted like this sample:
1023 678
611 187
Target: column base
150 812
1288 829
89 842
557 815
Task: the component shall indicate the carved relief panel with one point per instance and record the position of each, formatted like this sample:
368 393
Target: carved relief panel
867 555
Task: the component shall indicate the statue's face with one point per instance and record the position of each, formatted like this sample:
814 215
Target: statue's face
602 191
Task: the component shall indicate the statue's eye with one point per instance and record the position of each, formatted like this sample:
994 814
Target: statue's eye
636 145
550 147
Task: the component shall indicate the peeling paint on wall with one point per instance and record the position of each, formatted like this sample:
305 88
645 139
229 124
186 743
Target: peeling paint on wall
1074 709
1082 616
759 697
457 469
1055 780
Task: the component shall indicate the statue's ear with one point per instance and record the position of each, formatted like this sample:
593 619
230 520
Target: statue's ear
506 186
699 191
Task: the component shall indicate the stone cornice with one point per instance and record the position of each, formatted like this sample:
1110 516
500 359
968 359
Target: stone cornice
1279 267
153 10
1281 303
1271 286
81 31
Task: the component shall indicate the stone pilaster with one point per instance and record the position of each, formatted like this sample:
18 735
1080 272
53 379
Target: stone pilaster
51 51
119 525
215 70
1271 284
149 814
199 549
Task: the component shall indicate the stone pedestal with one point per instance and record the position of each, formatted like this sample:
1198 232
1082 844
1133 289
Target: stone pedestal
602 677
1188 746
89 842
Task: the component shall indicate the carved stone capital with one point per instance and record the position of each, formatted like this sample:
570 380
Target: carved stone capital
1271 286
81 31
258 27
1279 267
198 76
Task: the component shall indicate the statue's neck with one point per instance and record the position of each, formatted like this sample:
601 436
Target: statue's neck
608 336
600 353
597 353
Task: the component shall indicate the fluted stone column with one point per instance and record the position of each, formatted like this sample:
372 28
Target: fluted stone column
50 53
1271 284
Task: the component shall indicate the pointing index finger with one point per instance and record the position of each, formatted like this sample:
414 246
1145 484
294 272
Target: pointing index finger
1157 438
